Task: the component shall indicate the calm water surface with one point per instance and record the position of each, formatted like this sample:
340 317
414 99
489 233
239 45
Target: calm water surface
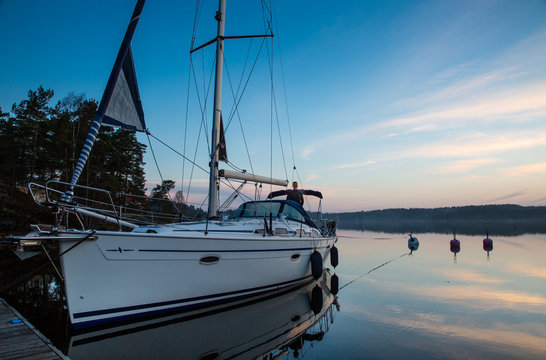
391 304
431 305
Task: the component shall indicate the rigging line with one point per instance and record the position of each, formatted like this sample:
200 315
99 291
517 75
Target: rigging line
235 167
284 91
274 108
247 80
202 105
267 17
194 157
280 138
298 176
175 151
267 27
159 171
270 61
203 109
196 17
197 206
236 109
241 194
206 91
375 268
241 79
186 125
200 206
300 181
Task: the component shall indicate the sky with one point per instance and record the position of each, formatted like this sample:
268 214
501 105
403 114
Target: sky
390 104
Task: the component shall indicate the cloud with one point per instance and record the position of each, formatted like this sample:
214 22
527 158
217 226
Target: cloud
390 135
307 151
525 170
464 86
464 165
513 104
510 87
480 144
355 165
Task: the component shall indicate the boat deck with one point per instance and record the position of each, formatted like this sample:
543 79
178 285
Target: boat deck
20 340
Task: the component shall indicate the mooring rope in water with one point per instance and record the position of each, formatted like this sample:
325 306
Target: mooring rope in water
375 268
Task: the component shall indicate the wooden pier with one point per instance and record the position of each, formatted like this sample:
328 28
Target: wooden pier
20 340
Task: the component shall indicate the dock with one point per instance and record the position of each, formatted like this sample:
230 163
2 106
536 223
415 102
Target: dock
20 340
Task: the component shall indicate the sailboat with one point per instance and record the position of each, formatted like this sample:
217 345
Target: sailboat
153 270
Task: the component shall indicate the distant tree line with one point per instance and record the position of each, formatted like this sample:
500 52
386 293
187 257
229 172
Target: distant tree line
497 219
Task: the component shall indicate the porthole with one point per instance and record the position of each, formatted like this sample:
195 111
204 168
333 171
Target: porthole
209 260
295 257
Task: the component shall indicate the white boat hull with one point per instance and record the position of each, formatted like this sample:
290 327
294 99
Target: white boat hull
233 333
120 276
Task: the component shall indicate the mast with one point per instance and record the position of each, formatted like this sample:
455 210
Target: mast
213 181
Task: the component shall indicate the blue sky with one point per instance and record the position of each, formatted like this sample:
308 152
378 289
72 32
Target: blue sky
391 103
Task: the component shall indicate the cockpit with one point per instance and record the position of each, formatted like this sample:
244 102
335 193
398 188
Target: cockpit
287 209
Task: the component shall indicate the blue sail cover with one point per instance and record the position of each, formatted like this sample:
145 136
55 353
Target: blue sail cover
125 108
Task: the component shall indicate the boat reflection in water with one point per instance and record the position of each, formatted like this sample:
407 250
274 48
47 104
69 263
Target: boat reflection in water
273 327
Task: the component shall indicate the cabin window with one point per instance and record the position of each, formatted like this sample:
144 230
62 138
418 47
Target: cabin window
281 231
258 209
292 213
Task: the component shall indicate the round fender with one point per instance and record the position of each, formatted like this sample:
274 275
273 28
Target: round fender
334 256
316 264
334 284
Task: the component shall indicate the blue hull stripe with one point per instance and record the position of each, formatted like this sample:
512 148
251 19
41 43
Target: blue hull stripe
231 251
210 301
220 231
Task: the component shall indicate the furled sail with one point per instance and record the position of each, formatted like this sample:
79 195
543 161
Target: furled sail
222 149
120 104
125 108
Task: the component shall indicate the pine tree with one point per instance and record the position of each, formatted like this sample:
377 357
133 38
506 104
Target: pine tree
31 117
